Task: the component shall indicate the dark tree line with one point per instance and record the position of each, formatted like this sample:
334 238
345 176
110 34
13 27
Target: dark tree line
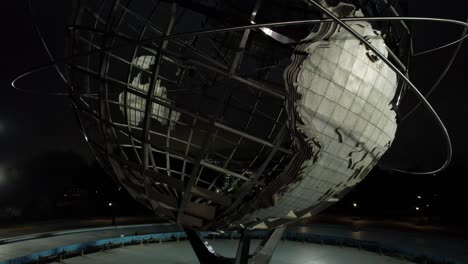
64 184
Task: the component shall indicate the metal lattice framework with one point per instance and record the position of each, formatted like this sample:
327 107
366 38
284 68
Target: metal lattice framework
230 131
194 125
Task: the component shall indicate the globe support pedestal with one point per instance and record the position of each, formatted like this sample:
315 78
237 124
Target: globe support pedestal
206 254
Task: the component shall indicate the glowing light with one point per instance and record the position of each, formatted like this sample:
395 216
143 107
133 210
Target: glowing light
419 197
417 208
209 247
267 31
354 204
110 204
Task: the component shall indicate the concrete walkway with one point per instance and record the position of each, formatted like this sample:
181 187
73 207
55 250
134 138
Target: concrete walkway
435 245
287 252
25 245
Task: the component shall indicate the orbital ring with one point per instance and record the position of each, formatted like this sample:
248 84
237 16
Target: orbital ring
280 24
238 28
441 76
407 81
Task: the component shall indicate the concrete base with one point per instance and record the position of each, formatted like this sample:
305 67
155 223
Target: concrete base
182 253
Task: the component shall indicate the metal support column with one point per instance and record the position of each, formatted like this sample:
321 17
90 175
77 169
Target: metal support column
266 249
242 255
203 250
206 254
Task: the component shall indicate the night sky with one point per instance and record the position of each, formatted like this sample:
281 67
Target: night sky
419 141
32 124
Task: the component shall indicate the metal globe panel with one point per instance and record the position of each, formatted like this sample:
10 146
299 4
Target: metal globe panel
340 109
199 127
